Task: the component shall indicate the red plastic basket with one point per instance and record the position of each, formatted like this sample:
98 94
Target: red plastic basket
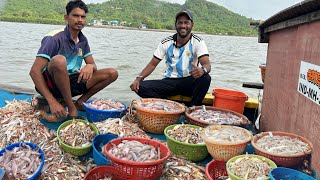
139 170
216 169
103 171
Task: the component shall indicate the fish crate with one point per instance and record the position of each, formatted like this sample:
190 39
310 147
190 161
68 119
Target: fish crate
155 121
236 159
284 160
139 170
223 150
96 115
244 122
192 152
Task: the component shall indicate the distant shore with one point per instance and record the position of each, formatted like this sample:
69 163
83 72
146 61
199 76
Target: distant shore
139 29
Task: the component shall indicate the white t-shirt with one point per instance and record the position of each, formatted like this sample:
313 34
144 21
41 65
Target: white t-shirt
179 59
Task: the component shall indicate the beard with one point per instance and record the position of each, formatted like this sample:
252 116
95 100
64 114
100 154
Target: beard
184 35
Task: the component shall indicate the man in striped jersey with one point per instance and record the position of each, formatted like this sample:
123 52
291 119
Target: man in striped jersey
188 66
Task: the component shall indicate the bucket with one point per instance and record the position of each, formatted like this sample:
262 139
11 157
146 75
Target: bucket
263 71
229 99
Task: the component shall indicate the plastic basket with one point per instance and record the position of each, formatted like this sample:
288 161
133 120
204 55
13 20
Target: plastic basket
192 152
33 146
95 115
139 170
282 160
223 151
215 169
155 121
77 151
102 171
282 173
234 177
97 145
202 123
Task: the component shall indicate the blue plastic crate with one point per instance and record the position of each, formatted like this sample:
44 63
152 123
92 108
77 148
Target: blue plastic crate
95 115
97 144
282 173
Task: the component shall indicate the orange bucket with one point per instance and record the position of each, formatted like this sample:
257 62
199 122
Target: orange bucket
229 99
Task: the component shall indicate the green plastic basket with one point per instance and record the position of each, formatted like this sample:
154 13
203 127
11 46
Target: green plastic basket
77 151
192 152
234 177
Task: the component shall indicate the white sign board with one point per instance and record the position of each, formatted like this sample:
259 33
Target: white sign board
309 81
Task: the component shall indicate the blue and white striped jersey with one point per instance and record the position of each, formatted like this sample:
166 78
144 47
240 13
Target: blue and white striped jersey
179 59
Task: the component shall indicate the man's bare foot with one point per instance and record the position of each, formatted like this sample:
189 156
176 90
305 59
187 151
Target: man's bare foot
79 106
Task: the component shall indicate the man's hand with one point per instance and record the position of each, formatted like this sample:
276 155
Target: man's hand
85 73
196 71
57 109
135 85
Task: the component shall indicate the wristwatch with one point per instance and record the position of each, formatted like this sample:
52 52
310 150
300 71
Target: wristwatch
204 70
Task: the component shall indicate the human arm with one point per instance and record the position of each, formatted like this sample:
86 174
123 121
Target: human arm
144 73
86 72
36 74
197 71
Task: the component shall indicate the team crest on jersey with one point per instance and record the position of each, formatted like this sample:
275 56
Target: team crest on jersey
80 52
188 54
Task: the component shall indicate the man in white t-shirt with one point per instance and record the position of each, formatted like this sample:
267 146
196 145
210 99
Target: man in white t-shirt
188 66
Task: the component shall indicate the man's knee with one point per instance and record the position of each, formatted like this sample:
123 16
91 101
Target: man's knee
58 62
205 80
110 74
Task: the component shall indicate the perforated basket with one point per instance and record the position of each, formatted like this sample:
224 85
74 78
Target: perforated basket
193 152
155 121
232 160
215 169
285 160
223 151
202 123
101 172
139 170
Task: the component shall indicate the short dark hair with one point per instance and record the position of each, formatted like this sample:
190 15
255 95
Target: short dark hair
76 4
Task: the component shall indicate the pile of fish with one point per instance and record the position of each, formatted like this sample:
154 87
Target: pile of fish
228 135
186 134
20 162
107 104
19 122
180 169
160 105
132 150
250 167
282 145
77 134
217 117
120 127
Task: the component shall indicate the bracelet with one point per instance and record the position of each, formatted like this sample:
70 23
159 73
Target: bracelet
140 77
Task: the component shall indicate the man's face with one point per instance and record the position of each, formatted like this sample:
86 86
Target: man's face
76 19
184 26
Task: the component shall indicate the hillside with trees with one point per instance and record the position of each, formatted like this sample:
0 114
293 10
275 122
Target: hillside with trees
208 17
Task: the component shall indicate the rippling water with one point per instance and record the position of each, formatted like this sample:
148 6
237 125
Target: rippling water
234 59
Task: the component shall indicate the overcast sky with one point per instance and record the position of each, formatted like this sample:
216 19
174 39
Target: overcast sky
256 9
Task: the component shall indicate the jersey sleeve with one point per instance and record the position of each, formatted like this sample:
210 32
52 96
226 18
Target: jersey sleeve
49 47
202 49
160 51
86 51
